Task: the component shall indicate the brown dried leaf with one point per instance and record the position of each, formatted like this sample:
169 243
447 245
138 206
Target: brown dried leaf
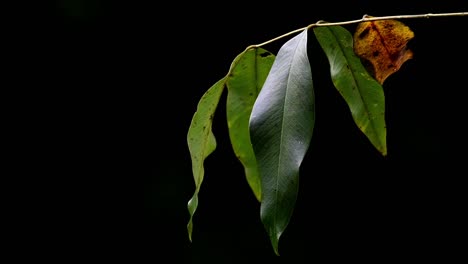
383 44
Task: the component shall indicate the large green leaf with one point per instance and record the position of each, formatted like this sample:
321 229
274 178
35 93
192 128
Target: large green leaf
201 141
244 82
281 126
363 94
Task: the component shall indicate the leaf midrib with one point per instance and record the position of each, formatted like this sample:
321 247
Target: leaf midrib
282 137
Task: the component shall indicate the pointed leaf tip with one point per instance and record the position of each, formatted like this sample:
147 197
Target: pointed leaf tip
201 141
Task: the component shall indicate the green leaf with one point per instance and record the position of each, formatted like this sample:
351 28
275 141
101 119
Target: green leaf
201 141
245 81
363 94
281 126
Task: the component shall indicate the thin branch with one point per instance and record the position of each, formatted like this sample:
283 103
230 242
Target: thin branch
365 18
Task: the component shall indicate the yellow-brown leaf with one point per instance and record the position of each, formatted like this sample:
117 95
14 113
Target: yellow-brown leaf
383 44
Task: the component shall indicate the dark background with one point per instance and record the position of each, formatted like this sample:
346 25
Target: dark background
133 72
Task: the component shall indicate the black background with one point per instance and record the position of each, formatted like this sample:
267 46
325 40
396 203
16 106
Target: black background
132 73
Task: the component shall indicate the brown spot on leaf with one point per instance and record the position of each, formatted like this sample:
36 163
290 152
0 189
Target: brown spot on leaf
364 33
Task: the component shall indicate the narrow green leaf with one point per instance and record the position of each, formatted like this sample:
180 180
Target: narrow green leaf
245 81
281 126
201 141
363 94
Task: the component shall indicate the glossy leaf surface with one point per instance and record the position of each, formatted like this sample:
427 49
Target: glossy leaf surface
281 126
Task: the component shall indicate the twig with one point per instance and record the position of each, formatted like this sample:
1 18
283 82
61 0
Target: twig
365 18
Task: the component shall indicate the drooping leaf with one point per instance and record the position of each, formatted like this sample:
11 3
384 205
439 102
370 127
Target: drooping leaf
201 141
245 81
383 44
363 94
281 126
